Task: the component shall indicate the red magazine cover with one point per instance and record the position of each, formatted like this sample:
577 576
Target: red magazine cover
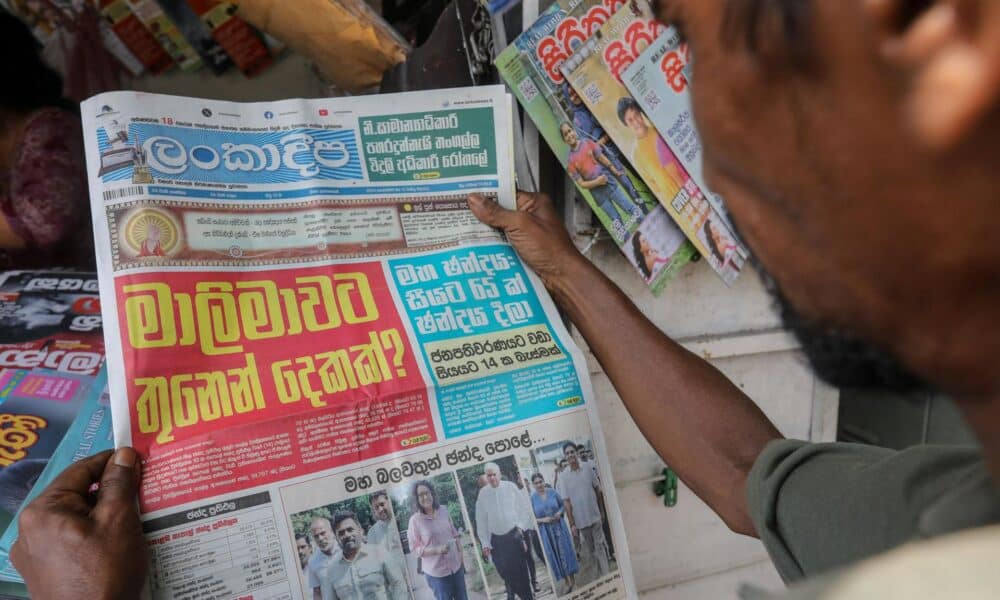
239 40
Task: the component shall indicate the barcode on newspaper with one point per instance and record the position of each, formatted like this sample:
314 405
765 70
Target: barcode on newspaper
125 192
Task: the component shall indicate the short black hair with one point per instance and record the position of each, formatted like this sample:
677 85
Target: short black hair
537 475
569 445
640 260
376 495
343 515
626 104
303 536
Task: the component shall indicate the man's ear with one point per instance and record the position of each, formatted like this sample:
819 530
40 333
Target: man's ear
950 53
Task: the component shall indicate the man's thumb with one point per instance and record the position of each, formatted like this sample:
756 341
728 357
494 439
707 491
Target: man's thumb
120 482
489 211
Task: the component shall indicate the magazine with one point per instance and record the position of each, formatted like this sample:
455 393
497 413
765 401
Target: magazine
51 320
658 80
595 71
311 339
51 360
623 204
61 418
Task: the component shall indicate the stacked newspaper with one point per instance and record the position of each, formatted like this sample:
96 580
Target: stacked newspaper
575 71
309 335
53 403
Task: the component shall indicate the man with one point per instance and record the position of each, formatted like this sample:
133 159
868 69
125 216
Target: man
588 126
305 550
361 571
322 533
498 520
651 156
580 489
383 532
855 143
587 457
590 168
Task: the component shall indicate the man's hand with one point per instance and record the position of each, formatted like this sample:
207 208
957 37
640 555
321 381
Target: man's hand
535 231
76 544
486 553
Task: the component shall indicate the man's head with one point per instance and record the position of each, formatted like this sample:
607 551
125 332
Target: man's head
571 454
492 473
348 532
569 135
855 144
322 532
632 117
304 548
381 506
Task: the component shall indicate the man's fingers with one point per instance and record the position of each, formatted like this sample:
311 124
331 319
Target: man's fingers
539 205
119 484
490 212
78 477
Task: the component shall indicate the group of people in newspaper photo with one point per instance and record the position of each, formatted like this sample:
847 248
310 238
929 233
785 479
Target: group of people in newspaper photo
525 526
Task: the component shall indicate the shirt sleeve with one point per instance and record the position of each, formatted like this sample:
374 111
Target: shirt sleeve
313 578
417 544
818 507
482 524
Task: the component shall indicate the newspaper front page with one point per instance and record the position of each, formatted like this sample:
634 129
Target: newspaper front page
341 384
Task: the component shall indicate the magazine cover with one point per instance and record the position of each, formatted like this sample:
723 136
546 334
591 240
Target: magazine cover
135 36
658 80
595 71
243 45
36 409
166 33
89 434
197 33
621 201
51 321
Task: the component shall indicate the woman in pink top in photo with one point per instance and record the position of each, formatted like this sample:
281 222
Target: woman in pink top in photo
433 538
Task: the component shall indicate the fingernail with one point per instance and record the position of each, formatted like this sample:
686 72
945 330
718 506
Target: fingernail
475 199
125 457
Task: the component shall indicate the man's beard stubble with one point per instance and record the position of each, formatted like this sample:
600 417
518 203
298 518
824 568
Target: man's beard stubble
840 357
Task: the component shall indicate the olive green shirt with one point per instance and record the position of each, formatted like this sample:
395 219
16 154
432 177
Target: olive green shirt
821 507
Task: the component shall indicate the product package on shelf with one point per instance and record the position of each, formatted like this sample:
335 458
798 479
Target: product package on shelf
244 45
595 71
139 40
166 33
621 201
197 33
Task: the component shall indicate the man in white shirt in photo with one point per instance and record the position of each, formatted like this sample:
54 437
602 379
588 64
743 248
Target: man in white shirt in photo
498 523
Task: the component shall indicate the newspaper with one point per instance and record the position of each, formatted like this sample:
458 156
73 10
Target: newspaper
304 321
623 204
595 71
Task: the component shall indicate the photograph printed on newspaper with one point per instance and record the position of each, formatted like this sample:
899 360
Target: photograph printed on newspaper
319 353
